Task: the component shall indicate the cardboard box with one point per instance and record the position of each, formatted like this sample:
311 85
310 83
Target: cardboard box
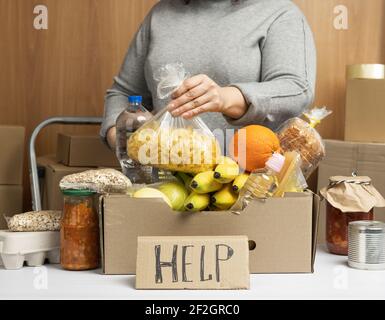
12 155
52 198
343 158
214 262
282 231
11 202
365 110
84 151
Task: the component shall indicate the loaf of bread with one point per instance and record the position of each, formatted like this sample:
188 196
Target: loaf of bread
298 135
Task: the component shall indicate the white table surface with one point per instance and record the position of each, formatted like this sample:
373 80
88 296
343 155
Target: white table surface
332 279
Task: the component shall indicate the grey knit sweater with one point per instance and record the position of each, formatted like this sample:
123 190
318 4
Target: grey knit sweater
263 47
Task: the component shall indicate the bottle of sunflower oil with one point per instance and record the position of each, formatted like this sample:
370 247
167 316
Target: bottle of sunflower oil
261 183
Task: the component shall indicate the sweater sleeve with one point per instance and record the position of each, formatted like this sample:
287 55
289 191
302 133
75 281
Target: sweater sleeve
130 80
288 73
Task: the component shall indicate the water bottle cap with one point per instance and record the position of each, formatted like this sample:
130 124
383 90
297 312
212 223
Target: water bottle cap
135 99
276 162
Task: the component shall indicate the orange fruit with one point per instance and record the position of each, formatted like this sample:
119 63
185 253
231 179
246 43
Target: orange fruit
252 146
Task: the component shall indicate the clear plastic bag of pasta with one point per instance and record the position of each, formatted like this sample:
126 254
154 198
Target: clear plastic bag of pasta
174 143
301 136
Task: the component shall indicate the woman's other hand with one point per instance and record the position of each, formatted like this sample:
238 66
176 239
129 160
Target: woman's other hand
200 94
111 138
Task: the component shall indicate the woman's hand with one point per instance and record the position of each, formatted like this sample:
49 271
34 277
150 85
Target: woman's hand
200 94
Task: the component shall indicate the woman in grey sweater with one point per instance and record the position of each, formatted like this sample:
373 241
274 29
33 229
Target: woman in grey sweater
252 61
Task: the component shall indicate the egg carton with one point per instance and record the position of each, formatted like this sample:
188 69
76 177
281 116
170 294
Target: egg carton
34 248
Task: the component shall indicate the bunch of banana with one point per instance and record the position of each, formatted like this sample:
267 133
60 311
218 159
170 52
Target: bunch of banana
210 190
215 190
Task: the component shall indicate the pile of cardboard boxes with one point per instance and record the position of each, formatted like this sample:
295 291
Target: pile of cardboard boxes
11 171
75 153
363 151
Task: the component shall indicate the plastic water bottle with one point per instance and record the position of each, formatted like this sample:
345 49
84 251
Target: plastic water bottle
131 119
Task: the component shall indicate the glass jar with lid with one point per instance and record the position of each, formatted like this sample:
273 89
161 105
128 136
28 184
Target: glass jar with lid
79 233
348 199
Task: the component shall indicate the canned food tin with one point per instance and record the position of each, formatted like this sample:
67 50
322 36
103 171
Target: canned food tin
366 245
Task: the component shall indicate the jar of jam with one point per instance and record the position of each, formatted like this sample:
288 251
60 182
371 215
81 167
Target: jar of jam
79 232
337 223
348 199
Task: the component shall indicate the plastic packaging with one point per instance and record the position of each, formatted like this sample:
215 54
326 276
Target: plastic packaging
174 143
261 184
291 178
35 221
34 248
299 135
100 181
130 120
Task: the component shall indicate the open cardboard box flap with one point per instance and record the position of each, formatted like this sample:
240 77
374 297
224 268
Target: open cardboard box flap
283 230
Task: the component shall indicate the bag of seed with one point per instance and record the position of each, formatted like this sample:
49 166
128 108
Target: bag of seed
34 221
100 181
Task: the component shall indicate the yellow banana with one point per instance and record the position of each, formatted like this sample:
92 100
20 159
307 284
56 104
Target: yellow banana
224 198
239 182
204 183
226 171
197 202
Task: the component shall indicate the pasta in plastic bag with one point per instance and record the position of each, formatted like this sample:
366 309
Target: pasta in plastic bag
301 136
174 143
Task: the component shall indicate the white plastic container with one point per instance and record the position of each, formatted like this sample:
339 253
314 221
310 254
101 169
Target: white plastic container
30 247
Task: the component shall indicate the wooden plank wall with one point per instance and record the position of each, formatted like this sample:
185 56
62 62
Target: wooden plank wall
66 69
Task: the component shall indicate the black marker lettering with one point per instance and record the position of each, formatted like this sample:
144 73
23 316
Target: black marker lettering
203 249
184 263
159 265
230 253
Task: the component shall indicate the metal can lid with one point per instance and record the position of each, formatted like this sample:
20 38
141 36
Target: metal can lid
368 226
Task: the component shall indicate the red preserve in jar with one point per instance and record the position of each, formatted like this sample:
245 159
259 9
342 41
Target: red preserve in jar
337 223
79 232
348 199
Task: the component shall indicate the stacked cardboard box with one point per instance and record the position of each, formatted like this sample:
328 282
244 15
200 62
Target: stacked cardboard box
51 195
84 151
75 153
11 171
363 150
365 110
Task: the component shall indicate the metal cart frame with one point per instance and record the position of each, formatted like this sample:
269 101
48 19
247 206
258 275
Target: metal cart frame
34 179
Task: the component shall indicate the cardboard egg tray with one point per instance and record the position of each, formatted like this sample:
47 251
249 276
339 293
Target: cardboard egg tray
33 248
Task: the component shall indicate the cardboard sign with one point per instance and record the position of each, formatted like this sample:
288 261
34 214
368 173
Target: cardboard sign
193 263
